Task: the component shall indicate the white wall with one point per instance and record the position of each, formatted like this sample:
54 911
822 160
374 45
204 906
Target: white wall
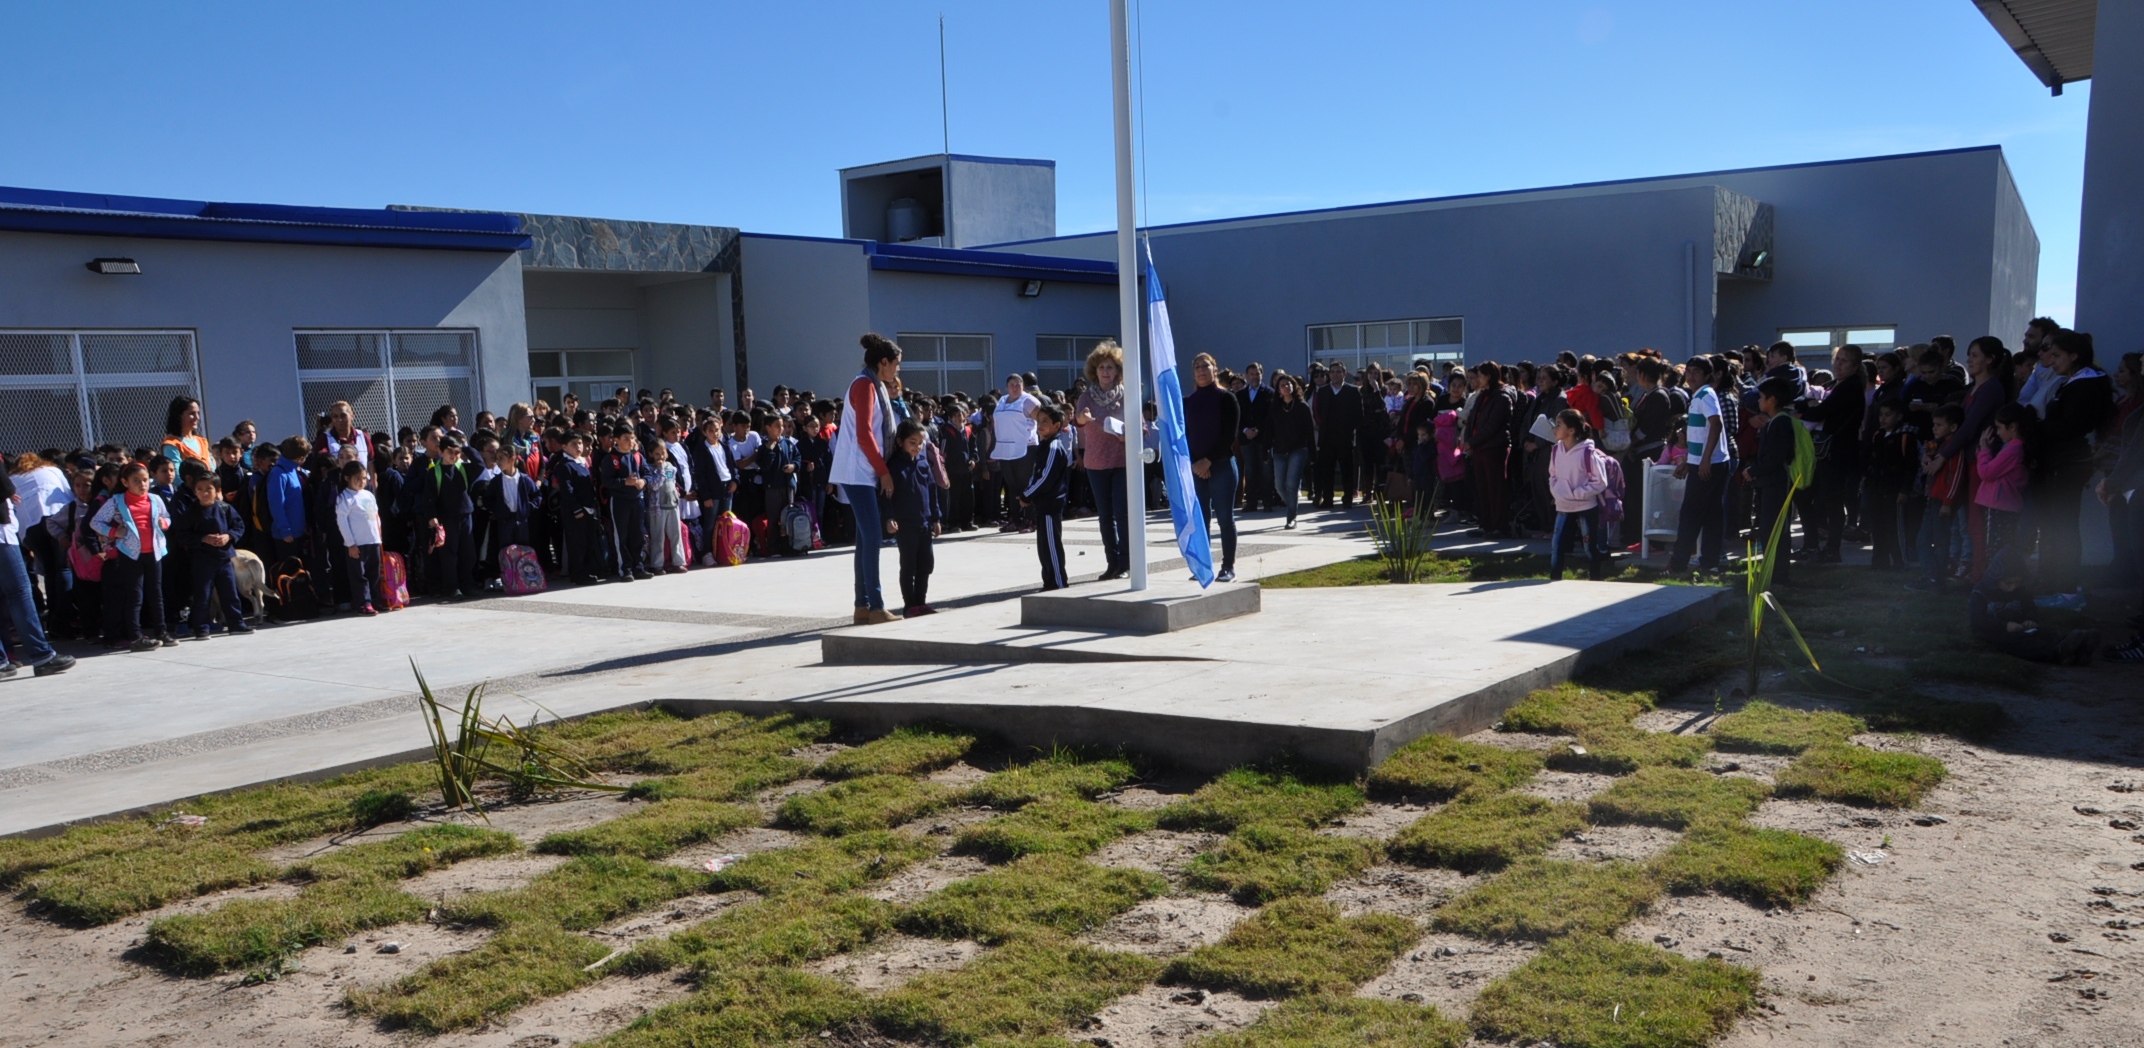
244 300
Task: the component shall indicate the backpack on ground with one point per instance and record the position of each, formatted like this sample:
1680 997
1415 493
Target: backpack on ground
520 571
394 579
292 594
796 531
732 539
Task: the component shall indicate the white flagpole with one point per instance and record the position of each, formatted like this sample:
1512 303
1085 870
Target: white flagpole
1131 300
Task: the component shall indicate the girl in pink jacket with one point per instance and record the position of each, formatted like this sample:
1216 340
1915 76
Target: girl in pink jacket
2004 472
1576 477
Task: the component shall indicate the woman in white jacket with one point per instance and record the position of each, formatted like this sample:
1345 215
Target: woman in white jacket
1576 478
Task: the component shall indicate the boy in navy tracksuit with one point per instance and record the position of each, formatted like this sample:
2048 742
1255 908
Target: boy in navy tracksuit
915 513
510 500
573 488
1045 494
625 476
442 497
207 532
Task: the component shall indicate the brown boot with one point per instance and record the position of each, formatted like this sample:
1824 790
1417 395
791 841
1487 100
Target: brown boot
862 616
877 615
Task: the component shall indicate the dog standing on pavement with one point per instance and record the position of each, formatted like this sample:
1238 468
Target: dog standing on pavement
252 582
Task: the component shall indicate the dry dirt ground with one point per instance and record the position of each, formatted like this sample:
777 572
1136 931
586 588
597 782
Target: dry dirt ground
2005 911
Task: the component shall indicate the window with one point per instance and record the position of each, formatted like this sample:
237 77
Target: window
940 364
590 374
1062 359
1394 344
1813 346
70 389
391 378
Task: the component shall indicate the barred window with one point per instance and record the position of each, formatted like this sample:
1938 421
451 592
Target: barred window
392 378
1060 359
940 364
1395 344
69 389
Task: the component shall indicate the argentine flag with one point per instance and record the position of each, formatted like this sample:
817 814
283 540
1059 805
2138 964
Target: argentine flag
1174 449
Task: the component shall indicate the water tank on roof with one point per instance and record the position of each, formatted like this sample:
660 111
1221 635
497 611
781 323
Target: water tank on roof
906 220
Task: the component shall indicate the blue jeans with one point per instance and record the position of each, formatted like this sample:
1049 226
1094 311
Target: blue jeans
1288 467
18 605
1586 524
870 535
1111 503
1217 495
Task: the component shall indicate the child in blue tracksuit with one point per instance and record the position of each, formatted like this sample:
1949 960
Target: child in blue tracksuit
1051 479
207 532
625 478
914 514
573 485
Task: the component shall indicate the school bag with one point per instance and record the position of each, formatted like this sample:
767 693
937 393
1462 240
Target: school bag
1612 498
520 571
762 537
291 593
732 539
796 530
394 579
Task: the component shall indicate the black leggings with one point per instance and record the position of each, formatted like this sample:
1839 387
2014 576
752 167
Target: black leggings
133 590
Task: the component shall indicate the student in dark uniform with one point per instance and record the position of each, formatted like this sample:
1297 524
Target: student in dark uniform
1051 480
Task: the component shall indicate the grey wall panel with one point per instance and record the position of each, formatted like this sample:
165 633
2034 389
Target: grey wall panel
962 305
2110 243
806 304
1000 201
688 336
2014 278
243 300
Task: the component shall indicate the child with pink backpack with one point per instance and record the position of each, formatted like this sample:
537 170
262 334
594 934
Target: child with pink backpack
1577 480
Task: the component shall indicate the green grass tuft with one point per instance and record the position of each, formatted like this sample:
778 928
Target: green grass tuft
257 933
825 866
1480 832
1265 796
107 888
1540 899
654 831
1347 1022
907 750
875 802
1060 773
1761 727
1439 767
514 968
1053 892
1761 867
1295 947
1573 709
1676 798
586 891
1620 751
405 855
780 932
713 741
1032 987
1065 825
746 1007
1260 863
732 781
376 807
1861 776
1589 992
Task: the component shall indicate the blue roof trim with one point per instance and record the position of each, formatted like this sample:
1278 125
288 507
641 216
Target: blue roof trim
1514 192
98 214
909 258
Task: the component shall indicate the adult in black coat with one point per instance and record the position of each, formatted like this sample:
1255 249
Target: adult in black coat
1254 447
2081 407
1336 408
1838 467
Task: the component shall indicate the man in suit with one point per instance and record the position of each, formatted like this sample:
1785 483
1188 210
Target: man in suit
1336 410
1254 449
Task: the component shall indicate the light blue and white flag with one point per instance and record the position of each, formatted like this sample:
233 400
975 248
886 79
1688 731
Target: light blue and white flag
1174 448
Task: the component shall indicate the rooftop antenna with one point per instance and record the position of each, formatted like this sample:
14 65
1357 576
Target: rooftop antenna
945 120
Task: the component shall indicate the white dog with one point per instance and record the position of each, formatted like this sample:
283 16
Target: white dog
252 581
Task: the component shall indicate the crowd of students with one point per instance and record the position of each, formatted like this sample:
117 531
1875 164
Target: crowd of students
1955 473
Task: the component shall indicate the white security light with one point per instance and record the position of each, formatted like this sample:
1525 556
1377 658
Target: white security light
115 267
1031 289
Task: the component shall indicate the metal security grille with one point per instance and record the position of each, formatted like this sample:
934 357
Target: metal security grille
939 364
70 389
391 378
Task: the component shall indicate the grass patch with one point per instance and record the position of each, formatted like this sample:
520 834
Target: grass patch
874 802
587 891
1539 899
1439 767
780 932
1267 795
825 866
1480 832
516 967
1761 867
1862 776
654 831
258 933
907 750
1433 567
1346 1022
1054 892
112 887
1060 773
751 1006
1760 727
376 807
732 781
1295 947
1620 751
1676 798
1573 709
1260 863
1064 825
677 747
1030 988
1604 993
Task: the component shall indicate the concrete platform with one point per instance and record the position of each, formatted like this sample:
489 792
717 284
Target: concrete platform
1340 676
1163 607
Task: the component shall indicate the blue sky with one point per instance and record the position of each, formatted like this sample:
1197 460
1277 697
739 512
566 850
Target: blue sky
739 114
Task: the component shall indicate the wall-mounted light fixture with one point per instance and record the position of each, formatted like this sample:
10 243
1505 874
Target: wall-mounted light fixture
114 267
1758 260
1031 289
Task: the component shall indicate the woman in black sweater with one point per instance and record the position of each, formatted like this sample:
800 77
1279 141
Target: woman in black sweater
1488 445
2083 405
1838 467
1289 426
1211 422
